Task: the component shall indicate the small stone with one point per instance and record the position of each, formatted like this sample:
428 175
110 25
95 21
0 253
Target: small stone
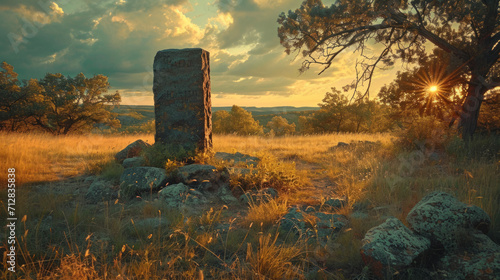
100 191
137 180
132 150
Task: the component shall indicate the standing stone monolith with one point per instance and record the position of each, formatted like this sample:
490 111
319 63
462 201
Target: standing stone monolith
183 107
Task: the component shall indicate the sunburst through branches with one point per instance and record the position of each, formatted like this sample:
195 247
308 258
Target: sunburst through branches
435 90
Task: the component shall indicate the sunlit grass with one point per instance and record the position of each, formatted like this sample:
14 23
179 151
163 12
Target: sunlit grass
44 157
192 247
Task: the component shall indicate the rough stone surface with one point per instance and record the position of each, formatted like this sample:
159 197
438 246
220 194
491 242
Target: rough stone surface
477 258
293 221
178 195
225 194
137 180
183 110
391 245
202 177
237 158
328 224
133 162
132 150
100 191
441 217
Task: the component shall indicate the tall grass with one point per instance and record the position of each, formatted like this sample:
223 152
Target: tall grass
45 158
64 237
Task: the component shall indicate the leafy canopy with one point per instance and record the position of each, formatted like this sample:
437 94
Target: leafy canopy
467 29
55 104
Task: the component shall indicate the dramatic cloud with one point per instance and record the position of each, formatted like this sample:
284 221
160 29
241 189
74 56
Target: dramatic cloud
119 38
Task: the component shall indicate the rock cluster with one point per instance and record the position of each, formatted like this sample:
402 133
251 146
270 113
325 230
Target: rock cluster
316 225
442 229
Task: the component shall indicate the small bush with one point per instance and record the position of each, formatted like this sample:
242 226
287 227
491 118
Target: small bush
427 131
270 173
112 171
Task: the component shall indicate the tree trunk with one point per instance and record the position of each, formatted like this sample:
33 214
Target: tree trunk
470 108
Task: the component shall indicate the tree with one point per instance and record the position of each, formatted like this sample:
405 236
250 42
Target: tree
333 113
416 97
220 122
58 104
11 98
279 126
237 121
468 30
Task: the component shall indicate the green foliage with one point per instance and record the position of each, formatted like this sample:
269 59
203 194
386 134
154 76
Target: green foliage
56 104
143 128
237 121
338 115
425 130
467 30
159 155
489 116
112 171
279 126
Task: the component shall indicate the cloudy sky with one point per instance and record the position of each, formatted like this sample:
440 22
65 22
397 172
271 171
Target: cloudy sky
119 38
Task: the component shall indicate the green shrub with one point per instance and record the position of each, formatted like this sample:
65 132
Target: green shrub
427 131
270 173
112 171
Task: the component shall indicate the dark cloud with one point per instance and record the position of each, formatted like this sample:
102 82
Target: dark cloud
237 6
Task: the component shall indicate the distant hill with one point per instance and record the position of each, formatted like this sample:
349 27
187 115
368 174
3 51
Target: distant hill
136 115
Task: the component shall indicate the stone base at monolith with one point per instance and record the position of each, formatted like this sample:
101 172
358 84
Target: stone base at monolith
183 107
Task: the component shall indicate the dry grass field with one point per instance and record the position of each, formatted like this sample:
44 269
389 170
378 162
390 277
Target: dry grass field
61 236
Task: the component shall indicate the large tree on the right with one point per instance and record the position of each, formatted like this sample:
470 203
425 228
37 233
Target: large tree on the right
468 30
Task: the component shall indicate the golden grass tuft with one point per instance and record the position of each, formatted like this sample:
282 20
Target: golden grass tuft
266 214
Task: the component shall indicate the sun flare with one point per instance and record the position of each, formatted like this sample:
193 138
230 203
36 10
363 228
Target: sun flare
433 89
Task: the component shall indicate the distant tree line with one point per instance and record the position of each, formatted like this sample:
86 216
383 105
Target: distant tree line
56 104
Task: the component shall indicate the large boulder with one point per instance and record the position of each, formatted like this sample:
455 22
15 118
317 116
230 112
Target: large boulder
391 245
137 180
132 150
477 257
441 218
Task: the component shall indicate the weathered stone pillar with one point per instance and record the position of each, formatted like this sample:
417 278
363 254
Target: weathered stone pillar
183 106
